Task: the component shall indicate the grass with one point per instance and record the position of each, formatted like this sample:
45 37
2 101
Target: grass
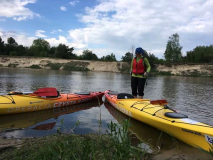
74 67
210 152
34 66
55 66
115 145
13 65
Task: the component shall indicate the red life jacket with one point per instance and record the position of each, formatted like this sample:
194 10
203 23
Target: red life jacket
138 67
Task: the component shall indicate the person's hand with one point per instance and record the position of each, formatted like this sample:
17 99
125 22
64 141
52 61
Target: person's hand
145 74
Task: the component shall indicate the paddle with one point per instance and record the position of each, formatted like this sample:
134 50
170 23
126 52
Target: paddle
50 92
162 102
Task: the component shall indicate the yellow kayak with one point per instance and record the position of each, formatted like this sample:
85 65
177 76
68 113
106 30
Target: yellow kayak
43 98
159 115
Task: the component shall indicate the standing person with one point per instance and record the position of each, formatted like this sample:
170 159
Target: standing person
140 68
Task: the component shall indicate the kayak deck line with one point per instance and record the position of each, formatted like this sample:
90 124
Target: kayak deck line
159 115
165 107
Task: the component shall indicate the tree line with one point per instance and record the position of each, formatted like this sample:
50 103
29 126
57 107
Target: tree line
172 54
42 48
200 54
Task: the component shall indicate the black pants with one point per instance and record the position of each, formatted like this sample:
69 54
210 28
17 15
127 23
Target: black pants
137 85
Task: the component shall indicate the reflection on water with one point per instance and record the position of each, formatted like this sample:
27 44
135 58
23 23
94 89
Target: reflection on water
147 136
47 121
189 95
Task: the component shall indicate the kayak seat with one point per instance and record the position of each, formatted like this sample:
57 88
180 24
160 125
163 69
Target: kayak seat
83 93
125 96
175 115
58 95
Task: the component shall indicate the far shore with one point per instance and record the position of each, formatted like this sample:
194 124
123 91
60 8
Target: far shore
102 66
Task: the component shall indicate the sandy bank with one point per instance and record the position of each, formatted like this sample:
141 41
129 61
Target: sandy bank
43 62
26 62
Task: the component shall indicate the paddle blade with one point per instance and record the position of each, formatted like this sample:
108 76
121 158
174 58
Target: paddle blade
46 92
161 102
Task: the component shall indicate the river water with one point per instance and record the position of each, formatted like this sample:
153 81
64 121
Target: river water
189 95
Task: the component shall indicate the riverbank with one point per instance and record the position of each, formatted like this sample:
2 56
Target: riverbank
186 69
100 66
60 64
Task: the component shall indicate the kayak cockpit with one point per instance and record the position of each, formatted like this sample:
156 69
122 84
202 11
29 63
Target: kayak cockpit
125 96
175 115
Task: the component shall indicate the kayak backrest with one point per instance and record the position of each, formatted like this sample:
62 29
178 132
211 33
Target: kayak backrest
47 92
125 96
175 115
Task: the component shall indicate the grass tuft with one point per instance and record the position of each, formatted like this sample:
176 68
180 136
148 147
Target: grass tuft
116 144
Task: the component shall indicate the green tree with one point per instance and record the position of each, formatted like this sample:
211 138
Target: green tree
11 45
173 49
88 55
127 58
200 54
21 50
52 52
65 52
2 46
110 58
40 47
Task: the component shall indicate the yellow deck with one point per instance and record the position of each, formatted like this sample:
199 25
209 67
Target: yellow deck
194 133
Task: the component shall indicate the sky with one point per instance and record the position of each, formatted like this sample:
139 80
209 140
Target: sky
108 26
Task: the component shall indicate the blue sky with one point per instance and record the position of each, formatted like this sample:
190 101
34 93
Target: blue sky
108 26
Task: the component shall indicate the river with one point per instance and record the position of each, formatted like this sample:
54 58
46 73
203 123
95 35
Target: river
189 95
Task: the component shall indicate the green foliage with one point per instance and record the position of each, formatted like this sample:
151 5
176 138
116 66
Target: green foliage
12 65
52 52
173 49
55 66
114 145
125 67
210 151
41 45
74 67
109 58
88 55
11 45
63 51
127 58
200 54
2 46
34 66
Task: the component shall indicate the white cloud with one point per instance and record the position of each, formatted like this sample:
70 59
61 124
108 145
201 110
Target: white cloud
39 33
119 24
61 39
73 3
16 9
63 8
59 30
20 38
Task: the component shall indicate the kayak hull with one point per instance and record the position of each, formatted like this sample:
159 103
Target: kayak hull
12 104
194 133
